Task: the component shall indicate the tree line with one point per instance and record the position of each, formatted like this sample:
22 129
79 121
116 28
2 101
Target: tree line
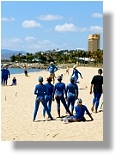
60 57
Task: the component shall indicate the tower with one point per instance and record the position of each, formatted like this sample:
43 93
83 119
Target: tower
93 42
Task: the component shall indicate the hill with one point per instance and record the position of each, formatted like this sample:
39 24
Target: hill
6 54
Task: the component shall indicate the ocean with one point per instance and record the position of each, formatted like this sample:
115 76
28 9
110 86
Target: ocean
20 70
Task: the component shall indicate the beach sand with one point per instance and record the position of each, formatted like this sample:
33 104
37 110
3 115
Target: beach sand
17 106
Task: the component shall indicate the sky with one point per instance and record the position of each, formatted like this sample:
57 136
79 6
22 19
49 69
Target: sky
33 26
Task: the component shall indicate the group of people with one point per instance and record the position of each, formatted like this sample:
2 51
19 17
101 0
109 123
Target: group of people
5 74
67 94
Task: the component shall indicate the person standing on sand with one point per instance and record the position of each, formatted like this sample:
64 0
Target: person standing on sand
75 74
80 110
59 91
25 71
96 85
6 75
71 93
40 92
49 94
52 69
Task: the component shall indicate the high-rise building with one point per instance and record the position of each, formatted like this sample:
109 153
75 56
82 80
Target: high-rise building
93 42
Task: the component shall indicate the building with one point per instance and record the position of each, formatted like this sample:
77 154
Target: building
93 42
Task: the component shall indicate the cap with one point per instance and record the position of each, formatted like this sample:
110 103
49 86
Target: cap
59 78
79 100
74 66
51 62
40 79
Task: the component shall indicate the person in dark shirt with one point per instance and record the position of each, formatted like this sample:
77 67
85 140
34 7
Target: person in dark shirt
80 110
96 88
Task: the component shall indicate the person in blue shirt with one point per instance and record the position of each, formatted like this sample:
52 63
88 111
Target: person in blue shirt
59 92
14 81
48 95
71 93
52 69
75 74
6 75
40 92
2 75
80 110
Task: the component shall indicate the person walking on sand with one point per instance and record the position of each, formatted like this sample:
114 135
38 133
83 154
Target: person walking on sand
75 74
67 71
80 110
2 75
71 93
96 85
40 92
49 94
52 69
59 92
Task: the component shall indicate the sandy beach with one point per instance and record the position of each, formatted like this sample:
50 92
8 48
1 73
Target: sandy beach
17 106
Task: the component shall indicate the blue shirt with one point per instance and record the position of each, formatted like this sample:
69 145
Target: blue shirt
59 88
2 72
49 88
6 73
52 68
75 73
72 88
40 90
80 111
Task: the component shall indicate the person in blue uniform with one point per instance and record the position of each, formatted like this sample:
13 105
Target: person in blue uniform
14 81
6 75
52 69
48 95
75 74
40 92
59 92
80 110
2 74
96 88
71 93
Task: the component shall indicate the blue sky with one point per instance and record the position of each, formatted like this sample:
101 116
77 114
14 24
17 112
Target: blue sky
33 26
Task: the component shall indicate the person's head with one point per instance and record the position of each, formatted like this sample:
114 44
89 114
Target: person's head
100 71
79 101
40 79
72 79
74 67
51 63
59 78
49 79
14 77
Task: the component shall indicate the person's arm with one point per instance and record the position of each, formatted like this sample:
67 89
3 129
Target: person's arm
80 74
35 91
54 89
9 73
91 87
87 111
56 68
